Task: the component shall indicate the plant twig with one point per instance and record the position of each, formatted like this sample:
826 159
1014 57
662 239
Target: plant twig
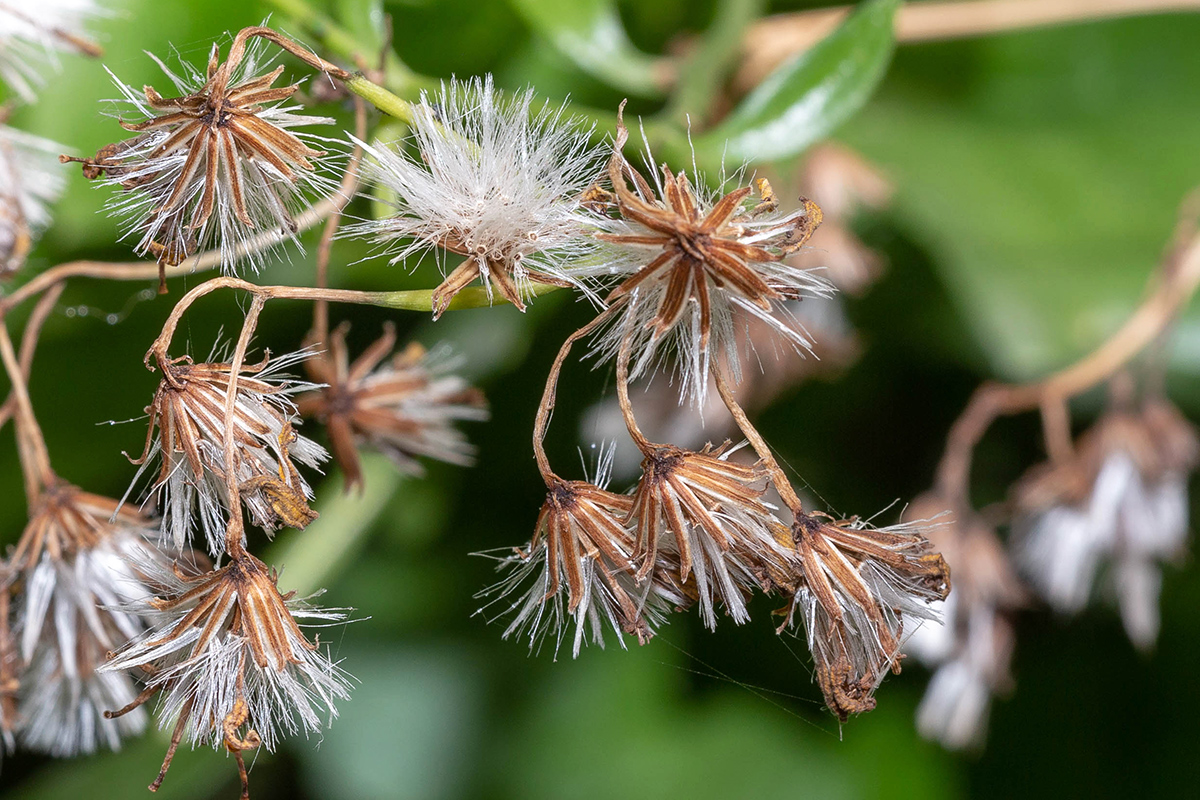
31 445
774 39
1172 287
235 534
29 340
325 248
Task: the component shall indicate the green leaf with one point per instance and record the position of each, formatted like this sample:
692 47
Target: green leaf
810 95
589 32
1046 185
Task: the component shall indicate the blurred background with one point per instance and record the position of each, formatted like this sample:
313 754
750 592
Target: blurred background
1035 179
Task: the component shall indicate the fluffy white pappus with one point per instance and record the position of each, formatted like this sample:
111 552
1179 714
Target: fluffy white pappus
496 179
72 613
1129 519
260 183
969 655
714 318
30 180
202 679
32 35
188 454
854 604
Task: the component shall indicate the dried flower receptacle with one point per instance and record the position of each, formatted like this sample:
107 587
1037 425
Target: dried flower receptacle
404 407
230 661
217 164
497 181
689 260
859 584
188 412
80 563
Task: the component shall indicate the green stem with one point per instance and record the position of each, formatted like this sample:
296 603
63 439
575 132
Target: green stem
337 39
709 64
471 297
381 98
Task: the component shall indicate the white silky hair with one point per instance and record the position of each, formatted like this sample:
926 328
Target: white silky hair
187 506
496 173
298 694
31 179
954 710
436 436
539 615
271 200
30 40
899 599
1129 520
73 606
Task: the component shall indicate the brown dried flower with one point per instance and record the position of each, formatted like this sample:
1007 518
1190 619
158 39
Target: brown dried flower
231 662
405 408
215 165
690 260
859 584
706 513
581 548
188 411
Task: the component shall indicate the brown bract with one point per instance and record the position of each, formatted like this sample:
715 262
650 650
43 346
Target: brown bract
1156 436
582 522
189 411
700 250
398 410
859 582
681 490
66 520
240 599
218 126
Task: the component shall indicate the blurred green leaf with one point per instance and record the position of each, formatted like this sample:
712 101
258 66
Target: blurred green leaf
810 95
589 32
407 734
1046 211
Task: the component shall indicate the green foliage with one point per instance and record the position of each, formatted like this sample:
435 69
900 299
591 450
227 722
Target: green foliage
809 95
1037 181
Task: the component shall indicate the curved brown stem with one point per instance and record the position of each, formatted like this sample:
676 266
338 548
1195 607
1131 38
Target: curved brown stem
29 340
631 425
320 334
546 406
235 534
1173 287
778 476
146 271
31 445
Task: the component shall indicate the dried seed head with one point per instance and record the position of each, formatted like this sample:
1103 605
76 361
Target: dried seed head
215 166
705 512
579 567
1121 498
33 34
188 412
79 561
972 649
405 408
230 662
495 180
689 260
859 585
30 180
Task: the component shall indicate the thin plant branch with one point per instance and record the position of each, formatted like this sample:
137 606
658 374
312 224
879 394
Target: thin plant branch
774 39
31 445
1172 288
235 534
